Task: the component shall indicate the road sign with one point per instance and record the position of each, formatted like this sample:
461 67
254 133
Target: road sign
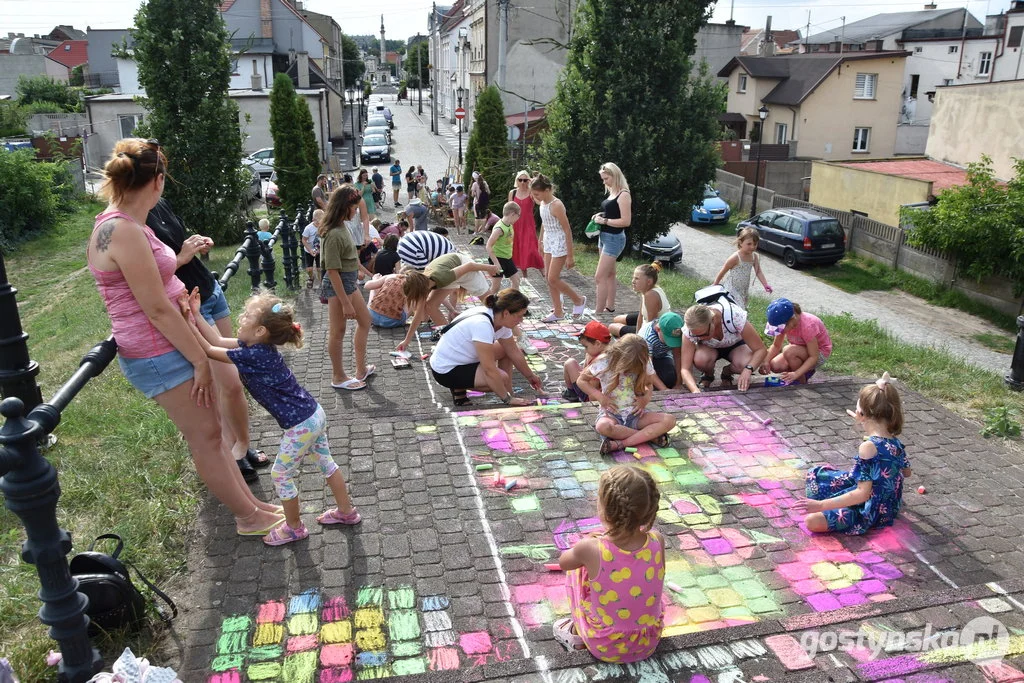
460 113
514 133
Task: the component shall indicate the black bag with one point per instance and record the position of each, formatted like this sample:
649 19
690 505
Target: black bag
114 601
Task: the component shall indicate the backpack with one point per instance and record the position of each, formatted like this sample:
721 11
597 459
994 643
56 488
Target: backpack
711 294
114 601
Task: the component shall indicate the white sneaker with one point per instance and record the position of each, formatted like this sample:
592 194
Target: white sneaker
526 346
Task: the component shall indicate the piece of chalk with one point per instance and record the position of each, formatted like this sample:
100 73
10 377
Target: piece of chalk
767 421
630 449
674 586
539 403
484 467
425 356
552 567
921 489
511 484
498 481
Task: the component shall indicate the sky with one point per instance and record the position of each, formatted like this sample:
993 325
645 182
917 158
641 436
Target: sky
404 18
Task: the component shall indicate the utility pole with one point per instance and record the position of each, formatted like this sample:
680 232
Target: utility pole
807 34
419 74
435 39
502 39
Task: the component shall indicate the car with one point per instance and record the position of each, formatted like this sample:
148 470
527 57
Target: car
375 148
271 195
261 161
381 109
378 130
712 209
375 120
255 188
799 236
666 249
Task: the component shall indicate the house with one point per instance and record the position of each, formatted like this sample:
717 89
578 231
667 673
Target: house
27 57
101 44
752 41
64 32
449 35
883 32
70 54
824 106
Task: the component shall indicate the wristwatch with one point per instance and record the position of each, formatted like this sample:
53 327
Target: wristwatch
749 367
507 398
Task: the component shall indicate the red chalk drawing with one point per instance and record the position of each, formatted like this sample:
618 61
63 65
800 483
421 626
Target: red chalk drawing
227 677
790 652
335 675
336 655
335 609
270 612
1000 672
302 643
443 658
475 643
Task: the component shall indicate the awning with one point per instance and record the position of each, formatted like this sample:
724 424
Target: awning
732 117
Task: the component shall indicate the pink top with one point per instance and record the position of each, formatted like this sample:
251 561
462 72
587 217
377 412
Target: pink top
135 334
618 613
811 326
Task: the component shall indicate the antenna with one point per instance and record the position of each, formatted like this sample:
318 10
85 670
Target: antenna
807 34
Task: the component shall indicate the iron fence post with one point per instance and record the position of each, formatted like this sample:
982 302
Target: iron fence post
267 262
252 252
288 255
17 371
1015 380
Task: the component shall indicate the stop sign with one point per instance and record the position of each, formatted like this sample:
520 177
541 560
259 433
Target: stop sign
460 113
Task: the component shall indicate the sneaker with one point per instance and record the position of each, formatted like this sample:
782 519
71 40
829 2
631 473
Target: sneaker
569 395
577 311
526 346
551 318
334 516
283 533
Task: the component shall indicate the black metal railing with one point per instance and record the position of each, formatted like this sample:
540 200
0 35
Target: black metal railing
260 254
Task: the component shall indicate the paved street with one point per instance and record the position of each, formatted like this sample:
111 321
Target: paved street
444 580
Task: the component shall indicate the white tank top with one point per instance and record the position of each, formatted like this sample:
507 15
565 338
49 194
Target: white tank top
664 303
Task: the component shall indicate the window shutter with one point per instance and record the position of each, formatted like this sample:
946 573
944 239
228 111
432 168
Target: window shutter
861 79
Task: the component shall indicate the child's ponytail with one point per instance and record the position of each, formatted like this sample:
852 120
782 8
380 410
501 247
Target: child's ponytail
881 401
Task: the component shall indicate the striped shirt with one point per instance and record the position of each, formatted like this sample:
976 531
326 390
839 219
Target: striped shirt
420 247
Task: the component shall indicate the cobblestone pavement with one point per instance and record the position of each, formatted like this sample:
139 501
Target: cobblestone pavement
445 579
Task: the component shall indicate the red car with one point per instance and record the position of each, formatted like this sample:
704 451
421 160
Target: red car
271 193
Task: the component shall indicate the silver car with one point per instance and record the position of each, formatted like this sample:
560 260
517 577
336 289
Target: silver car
261 161
378 130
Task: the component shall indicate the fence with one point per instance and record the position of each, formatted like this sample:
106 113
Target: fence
29 482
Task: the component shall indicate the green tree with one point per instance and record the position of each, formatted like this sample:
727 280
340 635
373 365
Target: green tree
981 224
42 192
354 66
627 96
182 49
310 148
290 159
487 151
417 64
77 77
36 89
13 119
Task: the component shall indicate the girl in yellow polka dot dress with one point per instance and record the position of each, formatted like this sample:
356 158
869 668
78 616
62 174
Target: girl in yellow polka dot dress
616 579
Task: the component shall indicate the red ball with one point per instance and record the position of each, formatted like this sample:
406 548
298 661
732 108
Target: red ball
920 489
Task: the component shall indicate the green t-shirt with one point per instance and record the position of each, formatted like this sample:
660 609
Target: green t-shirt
442 269
503 246
338 251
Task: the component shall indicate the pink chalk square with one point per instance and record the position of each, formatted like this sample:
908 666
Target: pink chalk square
335 675
851 599
718 478
1000 672
811 556
687 542
336 655
707 533
529 593
868 557
476 643
823 602
808 587
303 643
884 570
840 556
729 560
768 484
827 543
882 597
794 571
756 499
783 522
232 676
335 609
443 659
736 537
686 507
270 612
789 651
699 558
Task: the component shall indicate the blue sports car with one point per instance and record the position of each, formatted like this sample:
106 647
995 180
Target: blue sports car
713 209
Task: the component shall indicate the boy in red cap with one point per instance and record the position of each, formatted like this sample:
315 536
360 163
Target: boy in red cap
595 338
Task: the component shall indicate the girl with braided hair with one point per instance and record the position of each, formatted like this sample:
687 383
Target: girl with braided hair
616 579
621 380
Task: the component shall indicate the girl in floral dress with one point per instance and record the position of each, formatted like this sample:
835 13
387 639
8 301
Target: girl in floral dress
869 495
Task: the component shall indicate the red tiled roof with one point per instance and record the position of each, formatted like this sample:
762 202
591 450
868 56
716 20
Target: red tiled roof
226 5
534 115
70 53
942 176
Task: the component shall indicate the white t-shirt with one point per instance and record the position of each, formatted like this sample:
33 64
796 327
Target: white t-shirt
309 233
456 346
734 319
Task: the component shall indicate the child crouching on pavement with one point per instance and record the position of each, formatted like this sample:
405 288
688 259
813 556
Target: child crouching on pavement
809 342
595 338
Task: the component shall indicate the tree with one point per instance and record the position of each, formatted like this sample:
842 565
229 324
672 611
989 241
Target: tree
627 96
290 160
12 119
487 151
979 223
310 148
39 89
182 50
354 66
77 77
417 64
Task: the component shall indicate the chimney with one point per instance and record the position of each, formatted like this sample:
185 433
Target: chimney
931 5
256 82
302 68
767 46
266 23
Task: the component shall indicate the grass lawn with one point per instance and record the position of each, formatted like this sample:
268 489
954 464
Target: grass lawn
123 467
859 348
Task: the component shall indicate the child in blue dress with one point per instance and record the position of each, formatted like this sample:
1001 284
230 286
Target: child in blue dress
265 323
869 495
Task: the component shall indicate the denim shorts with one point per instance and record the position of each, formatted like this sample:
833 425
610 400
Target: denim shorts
154 376
349 280
216 306
610 244
379 320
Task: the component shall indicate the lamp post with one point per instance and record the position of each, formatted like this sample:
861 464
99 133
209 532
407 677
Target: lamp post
359 96
352 124
762 114
419 75
459 92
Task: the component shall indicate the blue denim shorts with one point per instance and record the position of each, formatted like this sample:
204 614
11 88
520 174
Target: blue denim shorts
154 376
379 320
610 244
349 280
216 306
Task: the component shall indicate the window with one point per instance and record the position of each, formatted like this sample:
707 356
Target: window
742 85
1015 35
781 134
128 122
861 137
915 80
918 49
984 63
864 89
953 49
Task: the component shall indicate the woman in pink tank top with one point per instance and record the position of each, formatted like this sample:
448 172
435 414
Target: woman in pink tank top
157 352
616 579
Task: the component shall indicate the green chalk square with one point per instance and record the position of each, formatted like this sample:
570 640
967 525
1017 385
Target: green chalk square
511 470
300 666
738 573
403 625
689 476
232 643
265 653
692 597
681 579
266 671
738 612
586 475
406 667
402 598
673 461
240 623
528 503
696 519
712 581
409 648
750 589
763 605
370 673
226 663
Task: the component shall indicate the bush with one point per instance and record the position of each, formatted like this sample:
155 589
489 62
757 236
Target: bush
35 194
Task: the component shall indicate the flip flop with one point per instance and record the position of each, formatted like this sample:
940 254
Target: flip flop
351 384
370 370
264 531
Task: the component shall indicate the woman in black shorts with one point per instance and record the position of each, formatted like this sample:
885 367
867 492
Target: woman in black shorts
481 207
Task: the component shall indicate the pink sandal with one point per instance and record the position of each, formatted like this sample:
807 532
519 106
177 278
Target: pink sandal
567 636
284 533
333 516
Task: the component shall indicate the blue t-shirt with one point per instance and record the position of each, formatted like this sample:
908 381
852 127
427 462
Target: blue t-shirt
658 348
262 370
396 174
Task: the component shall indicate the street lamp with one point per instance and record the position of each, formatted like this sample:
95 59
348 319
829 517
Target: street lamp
359 96
459 92
762 114
352 124
419 75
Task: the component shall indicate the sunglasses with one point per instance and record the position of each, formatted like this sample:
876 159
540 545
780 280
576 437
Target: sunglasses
154 143
702 335
522 180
